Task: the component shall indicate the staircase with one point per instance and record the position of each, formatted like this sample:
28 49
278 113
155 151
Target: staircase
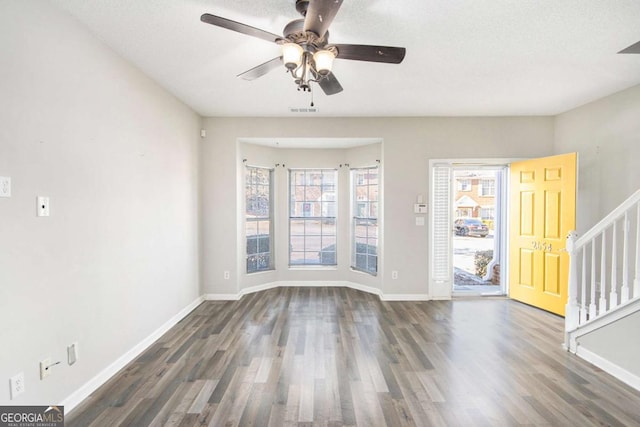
604 286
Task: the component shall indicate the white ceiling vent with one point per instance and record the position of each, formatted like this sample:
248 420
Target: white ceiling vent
303 109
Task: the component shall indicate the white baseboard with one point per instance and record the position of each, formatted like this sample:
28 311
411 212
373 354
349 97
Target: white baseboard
405 297
85 391
221 297
609 367
318 283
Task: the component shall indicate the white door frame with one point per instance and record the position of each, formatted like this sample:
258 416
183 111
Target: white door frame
441 252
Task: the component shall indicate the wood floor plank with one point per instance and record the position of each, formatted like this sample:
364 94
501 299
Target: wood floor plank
340 357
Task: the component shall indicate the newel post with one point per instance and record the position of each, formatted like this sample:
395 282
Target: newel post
572 310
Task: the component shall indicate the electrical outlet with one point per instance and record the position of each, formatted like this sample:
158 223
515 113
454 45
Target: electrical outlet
394 274
17 385
5 186
44 368
227 275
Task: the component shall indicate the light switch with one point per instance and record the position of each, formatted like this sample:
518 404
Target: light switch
42 206
72 353
5 186
420 208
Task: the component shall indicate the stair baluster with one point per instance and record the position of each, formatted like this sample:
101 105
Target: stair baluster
592 305
613 296
636 281
624 291
603 274
587 299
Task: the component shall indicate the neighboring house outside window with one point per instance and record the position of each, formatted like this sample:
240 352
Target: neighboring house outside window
258 219
487 187
364 233
464 185
474 190
312 217
488 213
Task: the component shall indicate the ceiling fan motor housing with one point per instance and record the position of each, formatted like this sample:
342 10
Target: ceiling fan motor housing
294 32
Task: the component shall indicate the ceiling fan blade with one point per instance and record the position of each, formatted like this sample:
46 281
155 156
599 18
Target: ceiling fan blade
361 52
238 27
330 85
261 69
320 14
634 48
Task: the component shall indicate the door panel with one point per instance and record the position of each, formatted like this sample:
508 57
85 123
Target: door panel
543 193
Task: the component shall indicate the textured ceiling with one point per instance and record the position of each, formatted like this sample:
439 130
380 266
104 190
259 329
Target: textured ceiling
464 57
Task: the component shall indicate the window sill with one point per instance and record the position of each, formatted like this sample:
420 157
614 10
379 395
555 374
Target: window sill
355 270
313 267
253 273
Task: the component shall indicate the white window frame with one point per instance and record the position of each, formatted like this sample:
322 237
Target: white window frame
249 186
327 258
371 259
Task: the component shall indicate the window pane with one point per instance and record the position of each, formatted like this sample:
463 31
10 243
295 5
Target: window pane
252 264
364 228
264 227
329 227
251 228
312 258
297 227
328 209
263 244
313 227
329 243
258 210
297 178
312 215
312 243
328 258
252 246
296 258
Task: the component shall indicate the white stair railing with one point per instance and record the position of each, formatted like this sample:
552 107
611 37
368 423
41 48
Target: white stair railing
615 241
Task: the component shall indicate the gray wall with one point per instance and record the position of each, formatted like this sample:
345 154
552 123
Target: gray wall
617 342
408 144
606 136
117 155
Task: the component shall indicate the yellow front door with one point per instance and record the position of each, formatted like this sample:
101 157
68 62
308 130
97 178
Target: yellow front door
543 211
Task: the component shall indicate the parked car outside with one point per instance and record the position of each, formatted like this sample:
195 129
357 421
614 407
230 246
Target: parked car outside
470 227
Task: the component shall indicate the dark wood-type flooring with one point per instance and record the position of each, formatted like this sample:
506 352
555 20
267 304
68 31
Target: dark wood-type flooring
337 356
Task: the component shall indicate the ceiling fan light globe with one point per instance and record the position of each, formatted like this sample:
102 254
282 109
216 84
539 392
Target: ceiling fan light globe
324 61
292 55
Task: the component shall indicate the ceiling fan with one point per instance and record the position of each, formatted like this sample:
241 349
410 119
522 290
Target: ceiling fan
634 48
306 51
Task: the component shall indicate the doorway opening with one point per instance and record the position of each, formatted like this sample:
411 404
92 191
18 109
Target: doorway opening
477 229
448 203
